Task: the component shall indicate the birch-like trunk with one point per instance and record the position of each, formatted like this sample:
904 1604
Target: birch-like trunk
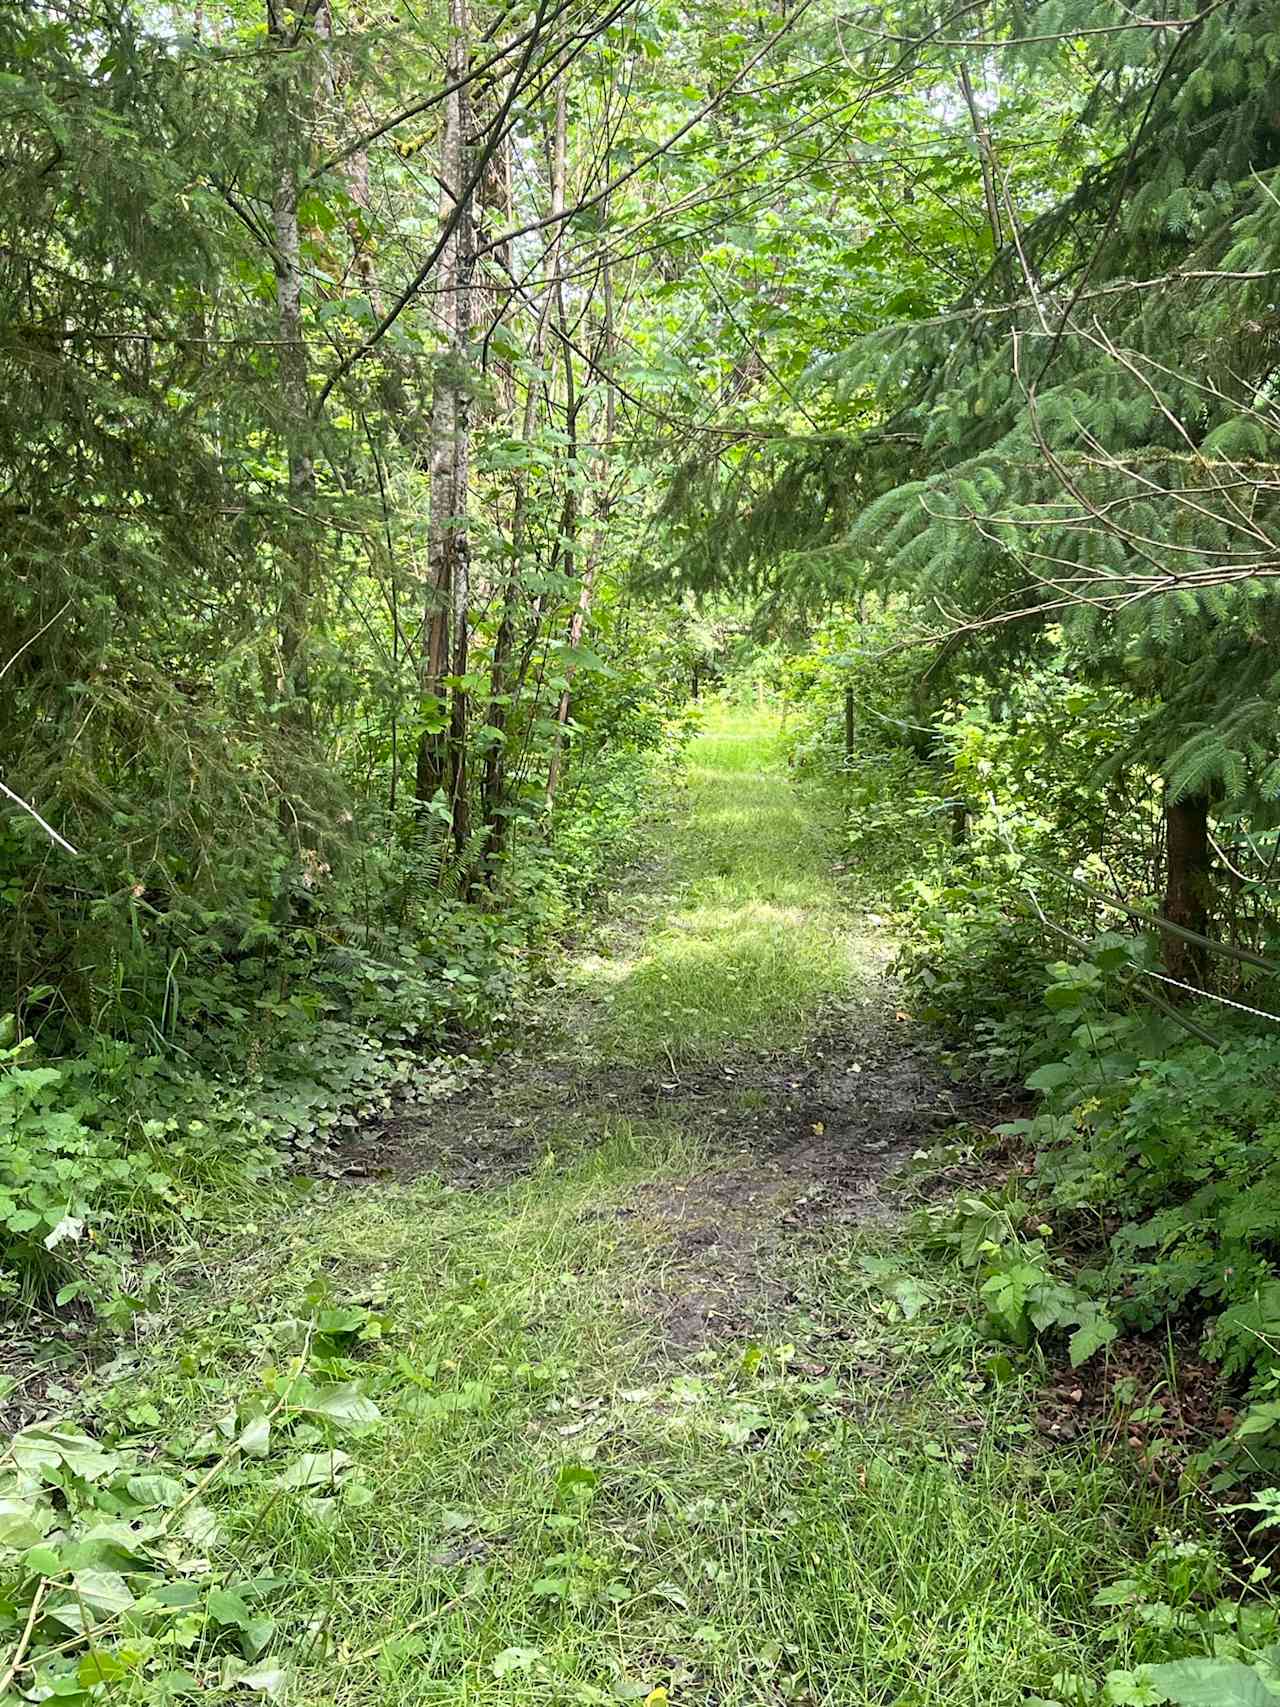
569 523
600 533
442 745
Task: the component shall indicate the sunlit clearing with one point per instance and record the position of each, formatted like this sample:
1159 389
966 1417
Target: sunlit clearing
758 941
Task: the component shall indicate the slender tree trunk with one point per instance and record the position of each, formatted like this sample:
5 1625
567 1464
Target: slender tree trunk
447 540
986 158
460 568
294 383
493 785
569 522
1188 884
603 512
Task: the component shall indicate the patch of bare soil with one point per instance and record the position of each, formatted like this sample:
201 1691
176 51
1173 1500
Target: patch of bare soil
823 1133
810 1138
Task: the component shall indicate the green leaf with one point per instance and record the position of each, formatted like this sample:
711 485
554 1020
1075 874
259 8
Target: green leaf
1132 1689
154 1489
55 1445
44 1561
908 1295
314 1470
344 1407
175 1594
255 1437
576 1481
226 1607
100 1667
105 1591
268 1680
1089 1337
514 1659
1208 1682
22 1524
1049 1077
335 1324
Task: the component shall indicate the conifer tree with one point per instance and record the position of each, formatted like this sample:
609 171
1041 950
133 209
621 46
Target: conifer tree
1088 437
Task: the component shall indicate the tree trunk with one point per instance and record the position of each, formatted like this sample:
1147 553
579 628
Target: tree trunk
493 779
295 392
441 745
1188 884
569 522
850 729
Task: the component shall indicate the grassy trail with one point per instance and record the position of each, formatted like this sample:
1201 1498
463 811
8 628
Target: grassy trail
755 941
827 1504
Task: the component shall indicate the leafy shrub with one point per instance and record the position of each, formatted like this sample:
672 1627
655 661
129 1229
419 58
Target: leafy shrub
1020 1285
1156 1133
279 1026
53 1170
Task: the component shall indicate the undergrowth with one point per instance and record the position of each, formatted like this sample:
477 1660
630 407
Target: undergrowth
1152 1200
276 1036
429 1445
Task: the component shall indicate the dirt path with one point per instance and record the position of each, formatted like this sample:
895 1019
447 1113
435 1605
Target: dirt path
800 1121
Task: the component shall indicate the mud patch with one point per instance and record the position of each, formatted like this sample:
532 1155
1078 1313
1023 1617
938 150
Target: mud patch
800 1141
841 1112
812 1142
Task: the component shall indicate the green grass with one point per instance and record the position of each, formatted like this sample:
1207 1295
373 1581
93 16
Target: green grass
735 1528
755 943
556 1506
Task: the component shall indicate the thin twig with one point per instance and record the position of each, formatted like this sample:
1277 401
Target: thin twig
43 823
24 1641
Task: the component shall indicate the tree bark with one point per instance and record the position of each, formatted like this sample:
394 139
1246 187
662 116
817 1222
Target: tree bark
986 158
604 503
441 745
1188 884
294 380
503 677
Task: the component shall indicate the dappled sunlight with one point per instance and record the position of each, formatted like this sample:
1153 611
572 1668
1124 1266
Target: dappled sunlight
756 941
602 969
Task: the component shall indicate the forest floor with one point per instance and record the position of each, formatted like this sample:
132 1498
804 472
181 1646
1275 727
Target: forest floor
670 1406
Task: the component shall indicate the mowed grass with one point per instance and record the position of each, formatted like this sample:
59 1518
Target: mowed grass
755 942
556 1508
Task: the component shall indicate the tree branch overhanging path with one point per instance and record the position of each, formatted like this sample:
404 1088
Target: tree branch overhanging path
640 852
